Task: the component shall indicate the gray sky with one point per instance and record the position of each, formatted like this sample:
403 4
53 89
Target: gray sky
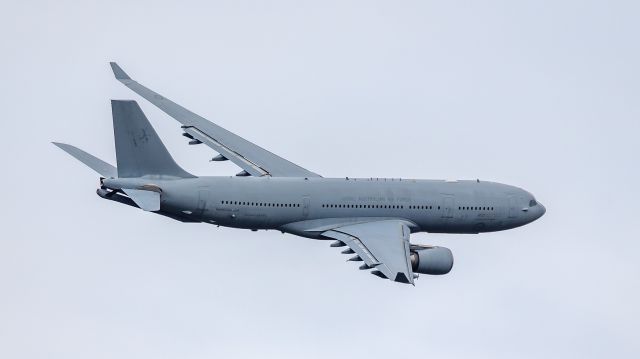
540 94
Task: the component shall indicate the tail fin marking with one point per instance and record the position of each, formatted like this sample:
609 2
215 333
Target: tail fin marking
139 150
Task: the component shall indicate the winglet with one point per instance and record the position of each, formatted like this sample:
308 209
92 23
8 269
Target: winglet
119 72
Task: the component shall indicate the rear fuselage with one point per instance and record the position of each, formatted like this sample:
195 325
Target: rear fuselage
295 204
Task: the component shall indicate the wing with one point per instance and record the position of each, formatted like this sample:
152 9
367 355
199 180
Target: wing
383 245
253 159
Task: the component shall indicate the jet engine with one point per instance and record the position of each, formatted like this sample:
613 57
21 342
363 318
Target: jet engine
432 260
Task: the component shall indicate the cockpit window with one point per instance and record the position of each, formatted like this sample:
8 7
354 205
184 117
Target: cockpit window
532 203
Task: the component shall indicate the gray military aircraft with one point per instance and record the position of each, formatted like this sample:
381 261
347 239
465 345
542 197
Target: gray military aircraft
372 217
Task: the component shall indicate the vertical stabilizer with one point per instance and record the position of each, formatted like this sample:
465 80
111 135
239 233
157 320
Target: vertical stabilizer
139 151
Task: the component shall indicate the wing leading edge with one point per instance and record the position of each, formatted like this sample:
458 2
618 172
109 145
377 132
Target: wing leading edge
252 158
382 245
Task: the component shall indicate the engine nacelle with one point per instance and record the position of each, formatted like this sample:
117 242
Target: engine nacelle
435 260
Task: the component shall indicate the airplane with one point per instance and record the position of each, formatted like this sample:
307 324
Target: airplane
372 218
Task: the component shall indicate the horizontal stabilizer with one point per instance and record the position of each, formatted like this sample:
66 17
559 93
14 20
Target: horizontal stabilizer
146 200
96 164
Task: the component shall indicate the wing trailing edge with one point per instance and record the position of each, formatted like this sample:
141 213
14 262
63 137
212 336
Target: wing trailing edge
383 245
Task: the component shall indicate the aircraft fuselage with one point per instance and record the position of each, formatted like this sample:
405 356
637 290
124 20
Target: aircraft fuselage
297 204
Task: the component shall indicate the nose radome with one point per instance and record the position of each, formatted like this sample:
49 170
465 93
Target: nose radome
541 211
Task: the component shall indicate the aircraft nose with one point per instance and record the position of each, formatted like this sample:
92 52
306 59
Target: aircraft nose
540 211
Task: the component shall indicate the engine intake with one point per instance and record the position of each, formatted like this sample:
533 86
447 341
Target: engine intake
434 260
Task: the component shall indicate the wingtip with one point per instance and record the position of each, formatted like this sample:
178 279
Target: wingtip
118 72
63 146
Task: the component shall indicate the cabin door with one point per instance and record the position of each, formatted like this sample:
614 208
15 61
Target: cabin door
513 206
447 207
305 207
201 208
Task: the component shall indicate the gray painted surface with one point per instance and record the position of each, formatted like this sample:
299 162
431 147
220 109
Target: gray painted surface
537 94
251 157
139 150
96 164
374 217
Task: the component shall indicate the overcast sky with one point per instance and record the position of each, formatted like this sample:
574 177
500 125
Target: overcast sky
544 95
